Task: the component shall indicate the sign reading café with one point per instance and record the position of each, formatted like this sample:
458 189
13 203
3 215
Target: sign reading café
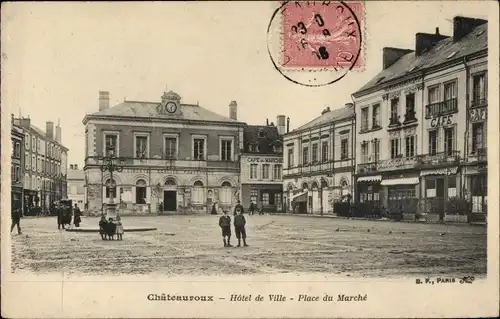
264 159
477 115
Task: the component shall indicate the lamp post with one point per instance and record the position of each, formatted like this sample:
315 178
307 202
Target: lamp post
109 164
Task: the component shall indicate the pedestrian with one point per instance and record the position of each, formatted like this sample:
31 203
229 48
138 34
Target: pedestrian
261 208
16 215
251 208
77 216
238 207
214 209
225 225
60 216
119 227
102 227
239 228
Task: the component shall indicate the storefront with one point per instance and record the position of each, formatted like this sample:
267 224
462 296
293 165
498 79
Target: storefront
269 195
439 186
368 194
17 198
400 194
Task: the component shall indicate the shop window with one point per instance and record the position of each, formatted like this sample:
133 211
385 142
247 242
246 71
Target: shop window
452 186
265 198
430 188
253 195
277 199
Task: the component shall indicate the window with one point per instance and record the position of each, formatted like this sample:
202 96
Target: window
433 140
410 107
265 171
305 155
290 157
27 162
13 173
38 144
410 146
86 142
17 150
277 172
478 89
452 186
33 143
364 119
226 150
110 188
39 164
449 141
450 90
141 146
170 147
314 153
33 162
254 147
140 191
324 151
394 147
430 188
394 109
277 199
376 116
199 149
364 152
376 150
344 149
198 193
433 94
265 198
111 142
27 140
477 137
253 171
253 195
225 195
262 134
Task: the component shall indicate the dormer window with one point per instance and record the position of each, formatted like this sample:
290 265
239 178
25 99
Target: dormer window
254 147
262 134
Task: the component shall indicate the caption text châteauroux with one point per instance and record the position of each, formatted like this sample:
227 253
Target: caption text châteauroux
259 298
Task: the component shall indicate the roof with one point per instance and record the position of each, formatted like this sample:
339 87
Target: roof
444 51
149 110
327 117
252 136
43 135
75 174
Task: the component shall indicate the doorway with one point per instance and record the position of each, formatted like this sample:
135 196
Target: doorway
170 201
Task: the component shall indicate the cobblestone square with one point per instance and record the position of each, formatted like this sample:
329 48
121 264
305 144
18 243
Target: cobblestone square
192 245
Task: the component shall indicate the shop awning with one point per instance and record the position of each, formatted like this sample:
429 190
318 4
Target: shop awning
376 178
400 181
439 171
302 198
297 195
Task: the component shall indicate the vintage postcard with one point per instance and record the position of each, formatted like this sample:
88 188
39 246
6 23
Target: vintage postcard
257 159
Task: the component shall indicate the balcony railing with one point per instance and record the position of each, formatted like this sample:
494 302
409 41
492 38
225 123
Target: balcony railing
437 159
397 163
394 120
478 101
441 108
184 163
367 168
410 116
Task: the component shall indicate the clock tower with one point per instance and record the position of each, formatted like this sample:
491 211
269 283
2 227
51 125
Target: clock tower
170 103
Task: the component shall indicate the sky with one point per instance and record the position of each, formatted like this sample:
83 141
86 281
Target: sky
57 56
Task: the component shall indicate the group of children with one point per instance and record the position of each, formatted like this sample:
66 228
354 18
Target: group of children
109 228
239 226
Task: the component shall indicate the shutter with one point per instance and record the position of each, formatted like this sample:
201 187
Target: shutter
133 195
148 194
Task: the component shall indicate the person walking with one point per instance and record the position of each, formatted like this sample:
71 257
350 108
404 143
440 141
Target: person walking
60 216
239 228
77 216
238 207
214 209
225 225
251 209
16 215
261 209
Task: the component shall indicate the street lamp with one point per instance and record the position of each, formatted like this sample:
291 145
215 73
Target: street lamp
110 166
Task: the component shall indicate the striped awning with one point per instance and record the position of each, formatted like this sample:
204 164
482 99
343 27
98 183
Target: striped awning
400 181
439 171
376 178
300 198
293 197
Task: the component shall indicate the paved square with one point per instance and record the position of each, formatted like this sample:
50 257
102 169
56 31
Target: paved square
278 244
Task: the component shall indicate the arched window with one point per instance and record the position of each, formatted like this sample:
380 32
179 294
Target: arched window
225 194
170 182
198 193
324 183
314 185
140 191
304 186
110 188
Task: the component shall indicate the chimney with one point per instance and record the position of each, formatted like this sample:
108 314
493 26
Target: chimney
288 124
464 25
326 110
391 55
349 105
233 110
49 130
280 120
58 133
25 122
70 166
272 124
425 41
103 100
76 166
267 122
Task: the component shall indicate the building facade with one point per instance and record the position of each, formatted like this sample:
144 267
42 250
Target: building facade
174 157
319 162
414 129
261 166
76 186
17 166
44 166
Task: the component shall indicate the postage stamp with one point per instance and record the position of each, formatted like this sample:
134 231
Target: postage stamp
316 43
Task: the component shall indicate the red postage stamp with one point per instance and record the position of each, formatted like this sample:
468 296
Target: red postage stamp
322 34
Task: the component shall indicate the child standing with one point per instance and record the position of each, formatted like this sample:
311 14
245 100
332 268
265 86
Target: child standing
119 227
239 227
225 225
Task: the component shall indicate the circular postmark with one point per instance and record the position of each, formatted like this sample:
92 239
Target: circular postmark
315 43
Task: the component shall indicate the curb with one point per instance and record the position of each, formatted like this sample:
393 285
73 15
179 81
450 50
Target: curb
96 230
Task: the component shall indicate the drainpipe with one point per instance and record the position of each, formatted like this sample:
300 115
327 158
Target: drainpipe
467 119
422 130
353 159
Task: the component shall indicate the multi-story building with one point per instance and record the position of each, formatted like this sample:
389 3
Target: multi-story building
175 156
44 165
17 166
261 166
416 123
319 161
76 186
